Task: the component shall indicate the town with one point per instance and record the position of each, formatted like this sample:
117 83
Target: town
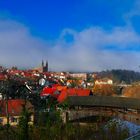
69 70
38 94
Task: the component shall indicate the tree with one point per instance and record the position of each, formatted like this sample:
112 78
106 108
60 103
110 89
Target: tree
24 123
106 90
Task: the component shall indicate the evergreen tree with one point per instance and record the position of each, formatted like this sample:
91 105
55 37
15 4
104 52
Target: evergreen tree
24 123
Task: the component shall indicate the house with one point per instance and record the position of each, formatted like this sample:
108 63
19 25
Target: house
14 108
104 81
73 92
59 75
82 76
68 83
53 90
49 91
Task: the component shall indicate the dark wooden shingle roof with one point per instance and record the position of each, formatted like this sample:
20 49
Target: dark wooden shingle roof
104 101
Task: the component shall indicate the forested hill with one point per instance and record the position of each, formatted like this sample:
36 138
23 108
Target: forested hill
120 76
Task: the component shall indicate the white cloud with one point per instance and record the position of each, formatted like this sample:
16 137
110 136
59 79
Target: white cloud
86 53
18 46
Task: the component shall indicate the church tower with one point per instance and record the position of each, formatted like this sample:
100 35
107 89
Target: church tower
44 66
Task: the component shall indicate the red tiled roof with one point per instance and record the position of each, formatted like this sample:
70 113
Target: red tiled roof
48 91
73 92
52 90
27 74
2 77
60 88
56 85
14 107
47 74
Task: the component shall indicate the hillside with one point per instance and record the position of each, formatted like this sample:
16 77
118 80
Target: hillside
119 76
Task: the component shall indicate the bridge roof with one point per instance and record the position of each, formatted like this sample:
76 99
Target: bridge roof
104 101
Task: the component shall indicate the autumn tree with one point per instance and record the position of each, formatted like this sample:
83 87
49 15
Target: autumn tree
106 89
132 91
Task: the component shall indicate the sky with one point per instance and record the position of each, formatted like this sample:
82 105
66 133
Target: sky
73 35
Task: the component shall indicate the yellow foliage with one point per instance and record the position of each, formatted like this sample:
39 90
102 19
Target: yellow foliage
132 91
107 90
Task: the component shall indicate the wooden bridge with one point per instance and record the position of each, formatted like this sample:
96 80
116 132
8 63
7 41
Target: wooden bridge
107 106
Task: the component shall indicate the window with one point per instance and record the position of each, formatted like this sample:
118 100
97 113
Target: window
1 120
13 119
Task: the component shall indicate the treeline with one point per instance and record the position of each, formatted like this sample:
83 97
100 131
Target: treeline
121 76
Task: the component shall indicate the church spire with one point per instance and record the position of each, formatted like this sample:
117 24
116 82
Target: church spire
42 63
44 66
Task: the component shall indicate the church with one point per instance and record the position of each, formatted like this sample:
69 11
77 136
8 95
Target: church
44 66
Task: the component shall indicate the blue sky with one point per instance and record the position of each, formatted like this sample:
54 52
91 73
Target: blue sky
79 35
47 18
